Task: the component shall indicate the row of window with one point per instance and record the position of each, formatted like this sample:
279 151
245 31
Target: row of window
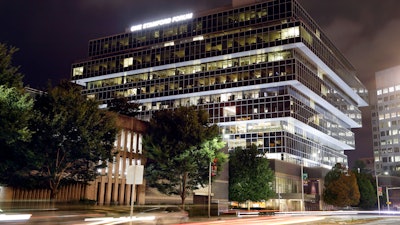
220 67
283 142
387 90
183 52
223 21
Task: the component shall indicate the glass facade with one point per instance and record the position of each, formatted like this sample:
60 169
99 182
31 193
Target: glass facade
265 72
386 121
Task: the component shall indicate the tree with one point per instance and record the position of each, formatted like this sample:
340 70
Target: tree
341 188
250 176
124 107
179 146
368 197
15 113
72 135
9 75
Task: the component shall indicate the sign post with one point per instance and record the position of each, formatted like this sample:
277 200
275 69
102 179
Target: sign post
134 176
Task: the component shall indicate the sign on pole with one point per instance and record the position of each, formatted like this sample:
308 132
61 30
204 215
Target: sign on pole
135 174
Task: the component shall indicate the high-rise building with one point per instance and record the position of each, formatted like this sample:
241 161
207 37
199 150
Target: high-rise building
264 70
385 115
386 121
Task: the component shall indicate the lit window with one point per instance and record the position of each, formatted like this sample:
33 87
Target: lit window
128 62
171 43
229 111
91 96
78 71
290 32
198 38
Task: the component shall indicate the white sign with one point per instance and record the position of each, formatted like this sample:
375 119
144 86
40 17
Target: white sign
162 22
135 173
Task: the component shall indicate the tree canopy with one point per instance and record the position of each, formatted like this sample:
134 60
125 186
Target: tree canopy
179 146
72 135
9 74
341 188
122 106
368 198
15 114
250 177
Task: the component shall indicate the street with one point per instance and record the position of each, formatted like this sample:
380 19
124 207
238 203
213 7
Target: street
304 218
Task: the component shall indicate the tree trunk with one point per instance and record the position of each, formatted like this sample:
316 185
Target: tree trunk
53 194
183 190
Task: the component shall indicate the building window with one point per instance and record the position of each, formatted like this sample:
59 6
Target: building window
128 62
78 71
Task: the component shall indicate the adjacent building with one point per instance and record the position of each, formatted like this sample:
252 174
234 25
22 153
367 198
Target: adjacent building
264 70
386 131
386 121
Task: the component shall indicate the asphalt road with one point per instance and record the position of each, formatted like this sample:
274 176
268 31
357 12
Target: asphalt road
61 217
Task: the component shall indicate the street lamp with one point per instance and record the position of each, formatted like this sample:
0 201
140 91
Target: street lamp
377 188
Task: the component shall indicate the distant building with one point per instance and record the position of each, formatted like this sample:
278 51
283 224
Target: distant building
386 121
34 92
385 103
265 72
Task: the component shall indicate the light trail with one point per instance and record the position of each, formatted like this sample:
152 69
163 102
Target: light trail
275 220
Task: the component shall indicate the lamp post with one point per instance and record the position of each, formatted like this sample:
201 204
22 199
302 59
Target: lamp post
209 190
302 186
377 192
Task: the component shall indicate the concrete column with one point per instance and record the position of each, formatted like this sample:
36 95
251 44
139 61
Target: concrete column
102 190
121 197
141 191
128 193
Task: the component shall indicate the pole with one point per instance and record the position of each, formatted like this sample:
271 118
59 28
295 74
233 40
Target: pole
387 198
209 190
279 196
302 186
133 193
377 192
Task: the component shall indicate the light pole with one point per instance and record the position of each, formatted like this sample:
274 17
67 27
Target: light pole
377 192
302 186
209 190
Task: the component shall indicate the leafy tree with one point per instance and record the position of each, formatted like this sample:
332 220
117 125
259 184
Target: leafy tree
124 107
72 135
341 187
367 190
179 146
15 113
250 176
9 75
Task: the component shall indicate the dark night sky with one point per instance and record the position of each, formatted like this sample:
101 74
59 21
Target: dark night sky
52 34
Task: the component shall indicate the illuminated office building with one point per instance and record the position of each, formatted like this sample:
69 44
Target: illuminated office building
264 70
386 121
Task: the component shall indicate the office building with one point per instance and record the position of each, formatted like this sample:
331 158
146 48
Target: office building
386 121
264 70
385 115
